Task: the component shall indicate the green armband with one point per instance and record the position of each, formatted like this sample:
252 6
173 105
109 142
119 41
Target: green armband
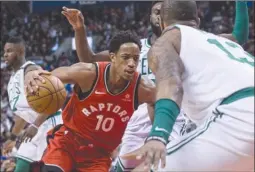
166 112
241 27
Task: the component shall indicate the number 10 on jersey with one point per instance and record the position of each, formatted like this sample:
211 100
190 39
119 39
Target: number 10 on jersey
104 124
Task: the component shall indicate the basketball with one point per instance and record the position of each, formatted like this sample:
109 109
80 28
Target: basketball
50 96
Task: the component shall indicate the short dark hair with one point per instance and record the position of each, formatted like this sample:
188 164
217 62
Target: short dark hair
16 40
123 37
179 10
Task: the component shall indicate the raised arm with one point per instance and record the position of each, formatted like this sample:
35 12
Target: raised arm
241 28
84 52
147 94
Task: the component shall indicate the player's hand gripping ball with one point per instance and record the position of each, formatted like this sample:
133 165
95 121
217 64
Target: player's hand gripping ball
46 94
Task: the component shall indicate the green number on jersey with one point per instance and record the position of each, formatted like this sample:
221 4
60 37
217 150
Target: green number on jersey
230 55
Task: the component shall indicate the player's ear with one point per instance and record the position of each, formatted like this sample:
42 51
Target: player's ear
198 22
112 57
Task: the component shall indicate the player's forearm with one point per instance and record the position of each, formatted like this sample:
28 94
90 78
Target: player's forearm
40 119
170 88
84 52
241 28
62 74
18 126
167 108
150 108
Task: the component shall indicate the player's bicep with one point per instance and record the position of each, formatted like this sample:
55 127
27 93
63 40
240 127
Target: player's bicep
168 66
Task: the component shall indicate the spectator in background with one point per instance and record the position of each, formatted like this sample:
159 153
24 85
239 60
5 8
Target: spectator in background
63 60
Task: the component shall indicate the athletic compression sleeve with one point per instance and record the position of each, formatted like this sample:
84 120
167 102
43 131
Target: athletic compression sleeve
241 27
166 112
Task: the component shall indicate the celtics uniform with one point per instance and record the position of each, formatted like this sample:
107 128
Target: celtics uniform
139 125
218 85
30 151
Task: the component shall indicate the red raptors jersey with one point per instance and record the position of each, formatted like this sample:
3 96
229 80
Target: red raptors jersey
102 117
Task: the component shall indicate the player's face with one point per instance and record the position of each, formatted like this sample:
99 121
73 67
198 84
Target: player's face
155 18
10 54
126 60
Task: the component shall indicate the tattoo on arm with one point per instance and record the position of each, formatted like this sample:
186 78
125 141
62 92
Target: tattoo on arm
166 64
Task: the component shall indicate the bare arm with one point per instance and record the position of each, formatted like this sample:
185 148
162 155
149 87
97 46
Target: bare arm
82 74
166 64
241 28
84 52
146 94
18 126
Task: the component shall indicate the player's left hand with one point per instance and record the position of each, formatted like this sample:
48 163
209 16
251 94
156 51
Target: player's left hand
152 152
8 146
29 133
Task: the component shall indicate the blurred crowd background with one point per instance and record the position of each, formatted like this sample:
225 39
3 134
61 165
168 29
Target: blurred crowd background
49 37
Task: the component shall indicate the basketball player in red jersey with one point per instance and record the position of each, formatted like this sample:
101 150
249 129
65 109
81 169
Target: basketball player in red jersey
105 96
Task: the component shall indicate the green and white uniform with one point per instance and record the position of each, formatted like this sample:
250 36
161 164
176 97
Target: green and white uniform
30 151
218 84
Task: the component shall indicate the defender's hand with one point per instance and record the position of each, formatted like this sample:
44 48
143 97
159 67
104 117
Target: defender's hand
29 133
151 152
8 146
30 80
74 17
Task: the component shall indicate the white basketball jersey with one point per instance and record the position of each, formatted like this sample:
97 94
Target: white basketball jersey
17 97
215 68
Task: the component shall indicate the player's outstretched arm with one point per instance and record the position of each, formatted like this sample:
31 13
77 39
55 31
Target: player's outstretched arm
82 74
241 28
166 64
147 94
84 52
19 124
79 73
32 129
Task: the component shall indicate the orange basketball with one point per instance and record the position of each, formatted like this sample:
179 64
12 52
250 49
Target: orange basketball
49 98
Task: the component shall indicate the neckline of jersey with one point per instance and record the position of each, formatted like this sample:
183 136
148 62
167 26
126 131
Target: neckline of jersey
106 73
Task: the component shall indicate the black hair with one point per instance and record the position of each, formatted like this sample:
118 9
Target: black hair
123 37
16 40
179 10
